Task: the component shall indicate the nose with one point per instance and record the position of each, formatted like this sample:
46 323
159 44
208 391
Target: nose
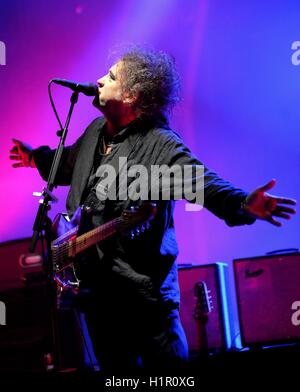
100 82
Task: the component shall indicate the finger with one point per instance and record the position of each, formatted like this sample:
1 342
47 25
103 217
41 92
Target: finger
286 209
14 149
267 186
285 200
16 141
274 222
20 164
282 215
15 157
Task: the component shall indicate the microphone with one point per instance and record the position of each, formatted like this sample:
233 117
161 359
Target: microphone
89 89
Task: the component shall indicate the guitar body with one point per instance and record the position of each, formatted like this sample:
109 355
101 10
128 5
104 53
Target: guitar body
64 228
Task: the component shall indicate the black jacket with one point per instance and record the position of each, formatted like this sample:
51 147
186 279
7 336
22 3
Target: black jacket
144 267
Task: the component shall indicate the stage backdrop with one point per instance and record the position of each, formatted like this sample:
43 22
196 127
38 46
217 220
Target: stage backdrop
240 112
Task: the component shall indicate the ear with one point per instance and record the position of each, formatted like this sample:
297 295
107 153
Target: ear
130 99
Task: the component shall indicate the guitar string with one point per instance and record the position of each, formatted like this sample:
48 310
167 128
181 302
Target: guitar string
59 240
69 244
79 243
77 248
63 249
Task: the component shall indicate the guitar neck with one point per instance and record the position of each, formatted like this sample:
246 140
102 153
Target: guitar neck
91 238
202 335
73 246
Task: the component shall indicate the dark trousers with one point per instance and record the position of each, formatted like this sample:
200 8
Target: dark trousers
132 338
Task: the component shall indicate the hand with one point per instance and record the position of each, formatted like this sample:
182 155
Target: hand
22 152
262 205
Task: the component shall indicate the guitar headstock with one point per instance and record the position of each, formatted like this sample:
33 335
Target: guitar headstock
137 219
203 304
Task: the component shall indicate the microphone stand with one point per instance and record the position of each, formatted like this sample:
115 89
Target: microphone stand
42 224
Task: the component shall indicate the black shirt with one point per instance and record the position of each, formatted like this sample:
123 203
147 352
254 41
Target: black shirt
143 268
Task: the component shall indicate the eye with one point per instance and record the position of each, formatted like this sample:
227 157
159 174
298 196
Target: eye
111 76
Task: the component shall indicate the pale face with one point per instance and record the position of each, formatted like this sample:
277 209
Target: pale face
110 89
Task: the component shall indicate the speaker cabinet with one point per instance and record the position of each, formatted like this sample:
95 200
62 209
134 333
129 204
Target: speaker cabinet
268 295
25 328
216 323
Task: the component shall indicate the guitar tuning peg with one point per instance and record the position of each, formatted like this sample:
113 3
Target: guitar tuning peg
132 235
137 231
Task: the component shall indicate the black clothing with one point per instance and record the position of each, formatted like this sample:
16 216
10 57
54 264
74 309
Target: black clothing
142 270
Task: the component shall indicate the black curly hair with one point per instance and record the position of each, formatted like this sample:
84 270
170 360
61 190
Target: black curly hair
152 78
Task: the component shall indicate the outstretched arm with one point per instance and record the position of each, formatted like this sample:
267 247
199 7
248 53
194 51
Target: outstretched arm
232 204
262 205
42 157
23 153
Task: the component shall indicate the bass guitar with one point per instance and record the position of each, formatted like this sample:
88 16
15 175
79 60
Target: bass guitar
68 245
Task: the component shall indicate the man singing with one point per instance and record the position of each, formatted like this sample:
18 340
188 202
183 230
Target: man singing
132 306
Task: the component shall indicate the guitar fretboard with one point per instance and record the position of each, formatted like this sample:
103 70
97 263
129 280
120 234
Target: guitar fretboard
90 238
74 246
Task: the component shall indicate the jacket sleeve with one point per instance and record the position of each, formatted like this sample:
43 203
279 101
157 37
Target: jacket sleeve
220 197
43 157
